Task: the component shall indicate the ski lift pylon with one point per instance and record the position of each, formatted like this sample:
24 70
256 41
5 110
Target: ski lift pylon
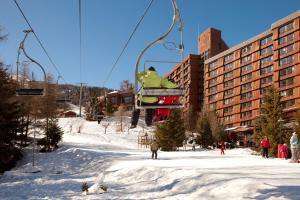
160 92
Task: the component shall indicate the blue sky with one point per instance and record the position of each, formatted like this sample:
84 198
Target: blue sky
107 24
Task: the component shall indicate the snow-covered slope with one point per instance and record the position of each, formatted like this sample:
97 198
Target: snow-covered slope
114 159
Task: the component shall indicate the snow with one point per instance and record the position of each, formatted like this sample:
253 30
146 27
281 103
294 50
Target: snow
114 160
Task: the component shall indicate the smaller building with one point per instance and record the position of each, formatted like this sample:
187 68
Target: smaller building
121 98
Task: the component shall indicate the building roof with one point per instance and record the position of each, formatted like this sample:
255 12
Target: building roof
253 39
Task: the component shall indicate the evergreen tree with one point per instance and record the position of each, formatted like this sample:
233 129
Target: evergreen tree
110 109
216 126
205 136
47 109
267 124
9 109
171 133
190 119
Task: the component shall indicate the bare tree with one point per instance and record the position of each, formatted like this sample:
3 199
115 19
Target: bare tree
120 113
105 125
126 85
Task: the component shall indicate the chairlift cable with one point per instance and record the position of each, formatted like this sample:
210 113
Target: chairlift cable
80 41
126 44
39 41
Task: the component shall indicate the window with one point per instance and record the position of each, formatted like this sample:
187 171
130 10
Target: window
212 97
212 81
228 109
228 74
212 89
246 86
286 82
246 95
246 49
246 77
228 100
114 100
213 73
228 118
246 59
228 66
228 83
266 50
127 99
287 38
266 40
266 80
287 60
228 57
286 49
213 64
212 106
246 123
287 71
288 103
206 54
286 93
246 114
266 60
266 70
246 105
246 68
286 28
228 92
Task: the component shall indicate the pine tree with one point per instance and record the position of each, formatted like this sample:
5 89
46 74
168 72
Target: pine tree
171 133
216 126
47 109
205 136
9 109
267 124
190 119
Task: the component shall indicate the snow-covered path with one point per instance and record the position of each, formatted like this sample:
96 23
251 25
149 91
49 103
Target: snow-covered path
129 173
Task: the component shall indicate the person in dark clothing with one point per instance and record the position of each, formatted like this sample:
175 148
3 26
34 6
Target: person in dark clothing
265 145
154 148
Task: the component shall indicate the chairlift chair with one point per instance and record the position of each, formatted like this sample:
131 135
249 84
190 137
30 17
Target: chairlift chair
161 92
29 91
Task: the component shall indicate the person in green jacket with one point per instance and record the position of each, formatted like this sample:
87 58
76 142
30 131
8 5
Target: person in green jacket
149 79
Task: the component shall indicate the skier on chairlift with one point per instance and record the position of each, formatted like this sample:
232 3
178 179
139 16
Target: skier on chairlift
149 79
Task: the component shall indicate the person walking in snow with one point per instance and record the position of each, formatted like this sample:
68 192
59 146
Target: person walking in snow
222 147
284 151
294 147
194 145
265 145
154 148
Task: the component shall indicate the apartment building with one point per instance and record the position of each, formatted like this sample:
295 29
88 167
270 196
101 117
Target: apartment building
210 43
236 79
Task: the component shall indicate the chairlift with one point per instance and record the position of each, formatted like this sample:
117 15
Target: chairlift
28 91
162 92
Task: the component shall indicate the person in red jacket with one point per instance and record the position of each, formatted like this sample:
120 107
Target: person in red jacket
222 146
284 151
265 145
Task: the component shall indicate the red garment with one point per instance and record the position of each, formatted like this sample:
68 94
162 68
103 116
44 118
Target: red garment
284 151
222 148
265 143
163 113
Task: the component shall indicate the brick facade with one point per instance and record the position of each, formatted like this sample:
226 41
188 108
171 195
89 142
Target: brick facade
236 78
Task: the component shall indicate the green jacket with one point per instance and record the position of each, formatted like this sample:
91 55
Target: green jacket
150 79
